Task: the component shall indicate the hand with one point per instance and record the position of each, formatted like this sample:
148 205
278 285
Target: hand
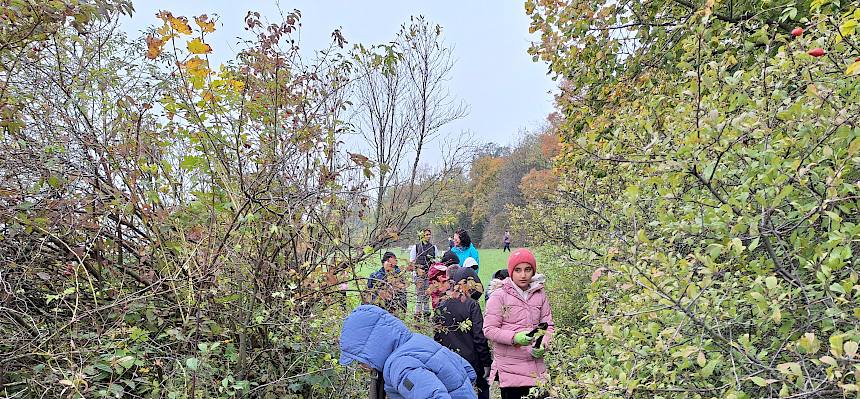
522 338
538 352
487 372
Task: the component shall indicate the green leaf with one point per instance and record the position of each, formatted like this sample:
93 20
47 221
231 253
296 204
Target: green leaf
192 363
770 282
126 362
190 162
791 368
761 381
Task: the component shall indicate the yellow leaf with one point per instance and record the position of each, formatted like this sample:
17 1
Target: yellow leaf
853 69
197 46
179 24
197 67
238 85
205 24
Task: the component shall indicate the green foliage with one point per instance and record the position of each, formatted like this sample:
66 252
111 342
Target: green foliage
709 180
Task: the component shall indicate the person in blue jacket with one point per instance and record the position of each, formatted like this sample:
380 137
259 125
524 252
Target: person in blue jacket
413 366
463 248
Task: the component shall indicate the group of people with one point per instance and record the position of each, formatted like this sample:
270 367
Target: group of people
458 360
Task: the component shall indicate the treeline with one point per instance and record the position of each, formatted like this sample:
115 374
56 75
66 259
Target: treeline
485 190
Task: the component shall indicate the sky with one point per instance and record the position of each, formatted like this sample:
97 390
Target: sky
505 90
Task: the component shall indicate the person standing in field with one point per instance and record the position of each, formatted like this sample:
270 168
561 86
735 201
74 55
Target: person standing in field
515 311
421 257
387 286
507 242
463 247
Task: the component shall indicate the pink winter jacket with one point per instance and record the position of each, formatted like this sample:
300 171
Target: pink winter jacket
507 314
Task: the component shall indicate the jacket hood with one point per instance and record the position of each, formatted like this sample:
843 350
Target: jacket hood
537 283
470 262
465 273
449 258
495 284
369 335
438 272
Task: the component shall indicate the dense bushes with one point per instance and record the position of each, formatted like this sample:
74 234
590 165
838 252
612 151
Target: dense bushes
709 179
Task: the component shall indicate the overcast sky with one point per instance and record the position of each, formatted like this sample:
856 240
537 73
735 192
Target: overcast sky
505 91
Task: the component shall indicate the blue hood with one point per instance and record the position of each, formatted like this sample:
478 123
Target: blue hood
369 335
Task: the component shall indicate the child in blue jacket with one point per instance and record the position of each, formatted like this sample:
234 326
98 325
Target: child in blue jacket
413 366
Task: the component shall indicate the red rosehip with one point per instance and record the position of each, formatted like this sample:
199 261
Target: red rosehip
816 52
797 31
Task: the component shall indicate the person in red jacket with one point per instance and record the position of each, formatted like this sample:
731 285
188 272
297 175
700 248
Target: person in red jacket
514 313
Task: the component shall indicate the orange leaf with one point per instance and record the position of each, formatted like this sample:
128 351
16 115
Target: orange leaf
197 46
205 24
153 46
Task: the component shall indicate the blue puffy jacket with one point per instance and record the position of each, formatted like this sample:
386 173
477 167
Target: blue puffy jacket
413 365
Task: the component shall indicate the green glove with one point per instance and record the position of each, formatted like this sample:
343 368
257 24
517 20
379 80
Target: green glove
522 338
538 352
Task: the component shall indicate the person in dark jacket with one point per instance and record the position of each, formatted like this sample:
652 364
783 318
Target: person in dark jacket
413 366
387 285
459 325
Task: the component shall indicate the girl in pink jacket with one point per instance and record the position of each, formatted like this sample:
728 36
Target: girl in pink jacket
513 312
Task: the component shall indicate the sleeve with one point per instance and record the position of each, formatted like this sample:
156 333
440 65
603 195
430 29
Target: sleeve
478 338
371 280
493 321
414 381
546 317
413 253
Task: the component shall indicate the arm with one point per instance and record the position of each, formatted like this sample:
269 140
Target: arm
493 321
474 254
413 381
478 338
372 279
413 254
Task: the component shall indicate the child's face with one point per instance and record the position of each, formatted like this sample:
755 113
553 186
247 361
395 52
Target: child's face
523 274
390 264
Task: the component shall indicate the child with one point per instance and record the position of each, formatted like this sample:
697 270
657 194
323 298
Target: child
386 285
412 365
459 325
437 277
513 310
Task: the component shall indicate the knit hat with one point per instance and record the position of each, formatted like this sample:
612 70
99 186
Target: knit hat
449 258
521 255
